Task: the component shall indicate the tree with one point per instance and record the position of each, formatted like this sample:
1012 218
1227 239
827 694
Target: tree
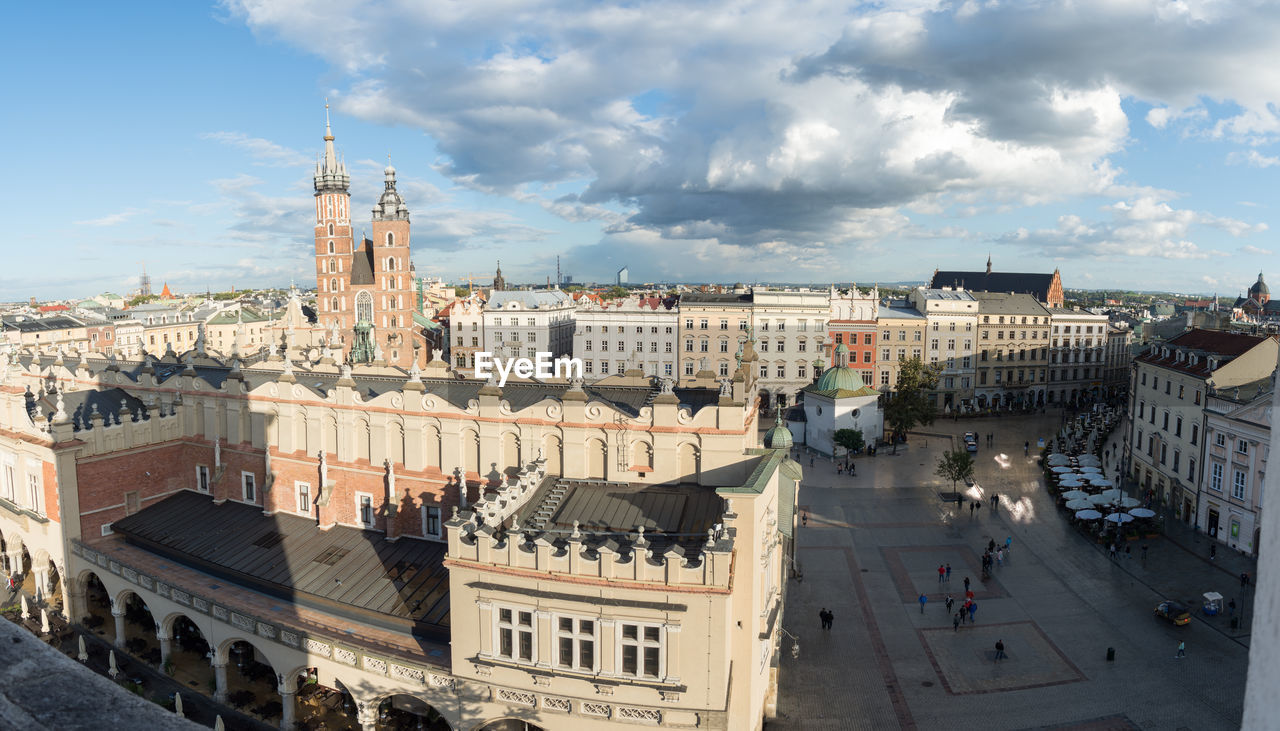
910 405
850 439
461 292
142 299
615 292
955 465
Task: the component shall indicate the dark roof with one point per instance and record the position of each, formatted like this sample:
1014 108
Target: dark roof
362 264
1223 345
57 322
709 298
79 405
399 585
1036 285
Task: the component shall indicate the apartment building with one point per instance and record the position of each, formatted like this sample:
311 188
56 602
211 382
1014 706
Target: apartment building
635 333
950 339
790 332
1013 350
1076 357
902 329
852 323
713 328
1237 444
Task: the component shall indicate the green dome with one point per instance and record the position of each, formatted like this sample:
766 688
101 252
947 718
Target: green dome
779 437
839 378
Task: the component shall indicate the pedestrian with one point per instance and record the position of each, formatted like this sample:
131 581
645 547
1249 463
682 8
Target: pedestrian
1026 448
955 622
971 509
1000 556
1113 550
973 609
811 461
822 615
923 601
804 519
941 573
948 573
1231 608
978 505
1144 554
1008 544
999 650
1244 580
991 545
1182 649
966 584
995 503
949 601
1213 551
837 469
968 595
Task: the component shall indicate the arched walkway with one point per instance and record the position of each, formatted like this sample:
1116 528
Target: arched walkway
407 713
95 612
185 654
250 682
509 724
136 628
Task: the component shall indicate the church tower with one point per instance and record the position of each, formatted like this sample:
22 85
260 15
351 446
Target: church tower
499 282
333 240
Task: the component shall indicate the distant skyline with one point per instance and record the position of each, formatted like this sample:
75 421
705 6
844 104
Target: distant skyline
1132 145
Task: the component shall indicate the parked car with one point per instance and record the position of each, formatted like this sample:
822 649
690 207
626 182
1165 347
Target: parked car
971 442
1173 612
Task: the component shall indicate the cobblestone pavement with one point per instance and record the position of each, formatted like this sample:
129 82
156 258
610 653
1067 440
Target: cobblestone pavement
872 543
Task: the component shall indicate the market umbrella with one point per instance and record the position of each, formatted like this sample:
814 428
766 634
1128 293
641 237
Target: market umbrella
1112 494
1088 514
1061 469
1079 504
1075 495
1057 460
1101 499
1089 469
84 652
1089 459
1120 518
177 705
1142 513
1101 482
1129 502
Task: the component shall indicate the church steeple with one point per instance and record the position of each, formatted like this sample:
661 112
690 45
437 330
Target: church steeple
988 263
331 172
499 282
390 206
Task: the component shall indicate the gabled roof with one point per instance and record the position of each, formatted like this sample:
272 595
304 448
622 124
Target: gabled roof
1036 285
362 264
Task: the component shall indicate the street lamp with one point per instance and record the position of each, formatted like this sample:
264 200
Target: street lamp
795 643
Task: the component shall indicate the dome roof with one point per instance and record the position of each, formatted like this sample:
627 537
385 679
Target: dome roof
839 378
1259 287
778 437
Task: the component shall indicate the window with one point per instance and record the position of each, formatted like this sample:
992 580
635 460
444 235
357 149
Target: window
640 653
704 345
202 478
1215 478
1191 468
1177 458
9 486
688 346
1220 439
764 371
303 491
1195 433
702 324
782 371
1242 446
1177 427
802 371
884 378
576 643
364 510
724 369
688 323
1237 484
131 502
515 635
866 338
688 367
724 346
724 324
866 356
431 521
33 486
804 346
248 487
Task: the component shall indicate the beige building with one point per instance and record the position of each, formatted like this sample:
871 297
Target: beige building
1013 351
902 330
1236 448
1076 357
950 337
1166 407
790 328
712 329
616 554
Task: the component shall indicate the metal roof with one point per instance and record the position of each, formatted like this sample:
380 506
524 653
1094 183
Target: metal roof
355 573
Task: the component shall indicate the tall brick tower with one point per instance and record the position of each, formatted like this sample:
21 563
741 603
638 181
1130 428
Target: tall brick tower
365 295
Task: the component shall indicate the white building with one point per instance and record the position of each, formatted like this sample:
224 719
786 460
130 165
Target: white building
952 316
1237 441
1077 356
466 332
840 400
523 323
790 330
612 337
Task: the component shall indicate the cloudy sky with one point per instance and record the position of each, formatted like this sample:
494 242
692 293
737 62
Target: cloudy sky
1131 143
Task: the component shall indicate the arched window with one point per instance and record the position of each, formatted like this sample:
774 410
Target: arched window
331 243
333 285
331 233
391 239
391 262
364 307
393 321
333 266
333 305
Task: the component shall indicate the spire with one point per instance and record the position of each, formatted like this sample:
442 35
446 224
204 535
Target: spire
988 262
331 173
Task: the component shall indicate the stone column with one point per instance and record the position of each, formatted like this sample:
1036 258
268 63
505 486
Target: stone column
166 646
367 716
42 582
117 612
74 607
288 705
220 681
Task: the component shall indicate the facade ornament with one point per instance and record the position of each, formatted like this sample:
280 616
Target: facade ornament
437 354
667 384
346 371
576 534
61 413
415 373
726 388
575 383
391 475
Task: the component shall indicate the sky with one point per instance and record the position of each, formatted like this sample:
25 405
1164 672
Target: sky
1129 143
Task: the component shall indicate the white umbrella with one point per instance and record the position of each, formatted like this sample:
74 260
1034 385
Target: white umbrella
1129 502
26 611
1088 515
1071 481
1088 470
1112 494
1120 518
1061 469
1059 459
1075 495
1101 499
1079 504
1101 481
1088 459
44 621
113 670
84 652
218 726
1142 513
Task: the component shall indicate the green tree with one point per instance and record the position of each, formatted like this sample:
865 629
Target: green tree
955 465
142 299
909 405
461 292
850 439
614 293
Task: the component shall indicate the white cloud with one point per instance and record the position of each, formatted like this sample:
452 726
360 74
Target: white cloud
1252 158
263 152
1255 251
111 219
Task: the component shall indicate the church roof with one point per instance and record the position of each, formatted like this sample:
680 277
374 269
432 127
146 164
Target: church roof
1036 285
778 436
362 264
1259 287
840 382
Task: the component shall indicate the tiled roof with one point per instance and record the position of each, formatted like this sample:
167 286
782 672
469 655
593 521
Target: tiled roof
1223 345
1036 285
362 264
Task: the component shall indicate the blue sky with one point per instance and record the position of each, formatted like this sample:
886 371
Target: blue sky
1129 144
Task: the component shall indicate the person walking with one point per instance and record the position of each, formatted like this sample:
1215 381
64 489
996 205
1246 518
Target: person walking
1144 554
923 601
973 609
999 650
942 572
955 622
1000 557
991 545
804 520
1008 544
966 584
822 615
949 601
1182 649
1213 551
995 503
948 573
1026 448
971 509
1244 580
